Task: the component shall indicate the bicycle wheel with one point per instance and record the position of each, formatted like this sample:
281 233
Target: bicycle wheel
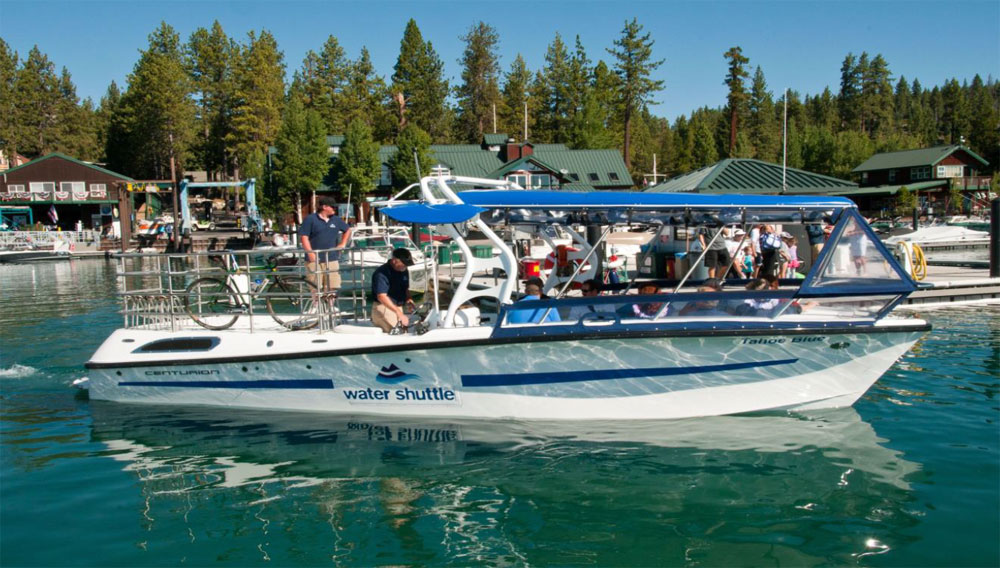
212 303
292 302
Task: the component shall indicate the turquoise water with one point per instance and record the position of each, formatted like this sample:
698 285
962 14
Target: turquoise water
908 477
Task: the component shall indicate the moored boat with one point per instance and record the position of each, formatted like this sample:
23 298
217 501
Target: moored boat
815 343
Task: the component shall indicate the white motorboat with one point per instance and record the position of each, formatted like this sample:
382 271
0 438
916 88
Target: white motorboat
938 235
818 343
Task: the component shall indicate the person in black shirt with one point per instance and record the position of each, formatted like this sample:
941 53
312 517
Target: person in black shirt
391 288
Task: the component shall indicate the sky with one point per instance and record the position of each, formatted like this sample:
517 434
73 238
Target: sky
798 45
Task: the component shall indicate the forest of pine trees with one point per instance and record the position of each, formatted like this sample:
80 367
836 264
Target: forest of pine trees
217 103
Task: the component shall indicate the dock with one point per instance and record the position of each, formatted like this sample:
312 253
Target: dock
950 283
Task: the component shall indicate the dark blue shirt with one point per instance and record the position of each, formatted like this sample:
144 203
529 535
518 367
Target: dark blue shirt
388 280
323 234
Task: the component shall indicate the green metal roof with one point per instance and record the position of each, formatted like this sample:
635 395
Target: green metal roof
913 158
752 176
69 159
519 164
495 139
606 164
573 166
890 189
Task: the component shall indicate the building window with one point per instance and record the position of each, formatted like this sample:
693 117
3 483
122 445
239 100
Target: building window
892 175
541 181
593 177
922 172
613 176
519 179
950 171
574 177
41 190
334 149
15 188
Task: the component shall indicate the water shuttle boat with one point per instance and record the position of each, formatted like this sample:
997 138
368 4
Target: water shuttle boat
821 342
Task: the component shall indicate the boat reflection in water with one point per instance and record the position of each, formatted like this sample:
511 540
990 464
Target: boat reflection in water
473 485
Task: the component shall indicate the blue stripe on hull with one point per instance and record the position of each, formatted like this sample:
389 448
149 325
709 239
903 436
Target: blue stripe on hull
265 384
508 380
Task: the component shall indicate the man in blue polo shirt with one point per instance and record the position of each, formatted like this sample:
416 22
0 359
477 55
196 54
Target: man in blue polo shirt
391 288
324 230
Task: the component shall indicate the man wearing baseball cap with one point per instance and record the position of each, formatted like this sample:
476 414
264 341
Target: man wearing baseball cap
391 288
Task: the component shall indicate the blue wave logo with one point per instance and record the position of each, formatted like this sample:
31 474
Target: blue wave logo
393 375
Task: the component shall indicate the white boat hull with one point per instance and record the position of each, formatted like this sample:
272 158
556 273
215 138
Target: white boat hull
462 373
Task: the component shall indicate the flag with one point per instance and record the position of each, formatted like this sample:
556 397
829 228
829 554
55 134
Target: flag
53 215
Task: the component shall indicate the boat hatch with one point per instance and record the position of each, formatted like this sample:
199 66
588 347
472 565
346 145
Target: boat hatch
179 344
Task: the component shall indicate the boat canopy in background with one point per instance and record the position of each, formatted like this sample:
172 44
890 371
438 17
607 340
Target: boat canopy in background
607 207
431 214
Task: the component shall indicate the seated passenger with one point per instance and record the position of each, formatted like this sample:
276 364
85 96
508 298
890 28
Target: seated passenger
647 310
536 281
757 306
534 315
590 289
705 307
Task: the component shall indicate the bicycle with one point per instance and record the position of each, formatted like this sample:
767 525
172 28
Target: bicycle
216 304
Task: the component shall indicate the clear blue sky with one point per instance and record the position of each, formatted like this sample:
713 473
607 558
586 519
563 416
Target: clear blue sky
797 44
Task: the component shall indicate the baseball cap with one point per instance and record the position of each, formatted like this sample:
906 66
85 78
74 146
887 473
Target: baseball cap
403 255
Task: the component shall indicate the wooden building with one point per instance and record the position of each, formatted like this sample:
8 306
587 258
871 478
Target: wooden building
931 173
63 191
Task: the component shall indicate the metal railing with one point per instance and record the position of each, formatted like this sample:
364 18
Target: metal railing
45 239
242 290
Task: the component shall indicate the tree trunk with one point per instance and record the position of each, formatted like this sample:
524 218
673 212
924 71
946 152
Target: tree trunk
628 138
732 133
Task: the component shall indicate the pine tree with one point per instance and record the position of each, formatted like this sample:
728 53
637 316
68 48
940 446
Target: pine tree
578 93
634 65
479 92
984 132
404 168
365 97
258 101
901 106
704 150
737 98
764 132
358 166
848 102
876 96
36 101
322 79
955 112
209 59
157 111
517 82
8 109
419 89
554 111
112 133
302 157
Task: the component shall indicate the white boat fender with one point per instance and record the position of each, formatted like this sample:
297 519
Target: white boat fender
83 383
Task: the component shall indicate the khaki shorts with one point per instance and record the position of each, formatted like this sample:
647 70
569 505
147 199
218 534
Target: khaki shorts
324 275
384 318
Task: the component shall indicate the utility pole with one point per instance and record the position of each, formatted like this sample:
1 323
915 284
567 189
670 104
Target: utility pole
784 147
525 120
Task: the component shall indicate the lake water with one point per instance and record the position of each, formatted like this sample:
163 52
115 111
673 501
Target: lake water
910 476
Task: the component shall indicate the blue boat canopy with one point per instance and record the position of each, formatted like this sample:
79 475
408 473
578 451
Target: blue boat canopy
613 207
430 214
